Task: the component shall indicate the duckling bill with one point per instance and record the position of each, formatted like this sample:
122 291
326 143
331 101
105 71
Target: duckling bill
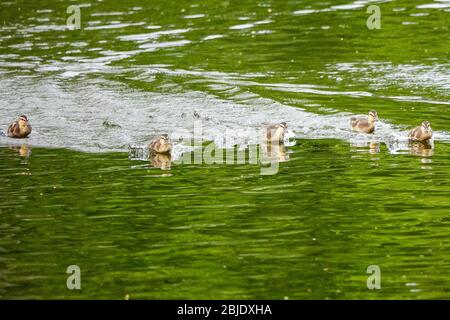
20 128
161 144
422 132
275 132
364 125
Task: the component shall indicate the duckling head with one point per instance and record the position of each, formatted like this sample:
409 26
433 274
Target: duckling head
164 139
426 125
281 129
373 116
23 121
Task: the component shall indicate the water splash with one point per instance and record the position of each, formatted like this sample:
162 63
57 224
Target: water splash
73 115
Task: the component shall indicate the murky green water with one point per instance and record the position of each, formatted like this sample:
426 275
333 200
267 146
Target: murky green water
74 194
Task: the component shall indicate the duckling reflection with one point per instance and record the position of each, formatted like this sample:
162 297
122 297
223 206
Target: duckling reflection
374 147
422 149
161 160
275 152
24 150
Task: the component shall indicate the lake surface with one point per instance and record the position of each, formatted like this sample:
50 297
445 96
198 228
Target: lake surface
81 190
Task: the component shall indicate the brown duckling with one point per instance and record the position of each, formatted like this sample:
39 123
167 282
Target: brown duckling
20 128
422 132
161 144
365 125
275 132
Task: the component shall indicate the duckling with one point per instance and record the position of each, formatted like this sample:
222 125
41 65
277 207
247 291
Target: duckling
161 144
421 133
364 125
275 132
20 128
24 150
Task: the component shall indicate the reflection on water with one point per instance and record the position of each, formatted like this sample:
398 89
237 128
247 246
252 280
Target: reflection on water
211 154
374 148
422 148
275 152
161 160
224 230
23 150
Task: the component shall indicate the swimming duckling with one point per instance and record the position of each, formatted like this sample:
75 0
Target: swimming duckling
421 133
364 125
20 128
275 132
161 144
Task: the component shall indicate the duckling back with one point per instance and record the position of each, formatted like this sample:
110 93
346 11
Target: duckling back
362 125
419 134
17 131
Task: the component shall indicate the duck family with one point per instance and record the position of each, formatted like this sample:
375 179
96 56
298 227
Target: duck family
273 133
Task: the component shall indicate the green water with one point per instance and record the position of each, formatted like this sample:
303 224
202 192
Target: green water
72 195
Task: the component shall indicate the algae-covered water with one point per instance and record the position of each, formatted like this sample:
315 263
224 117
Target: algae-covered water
82 191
